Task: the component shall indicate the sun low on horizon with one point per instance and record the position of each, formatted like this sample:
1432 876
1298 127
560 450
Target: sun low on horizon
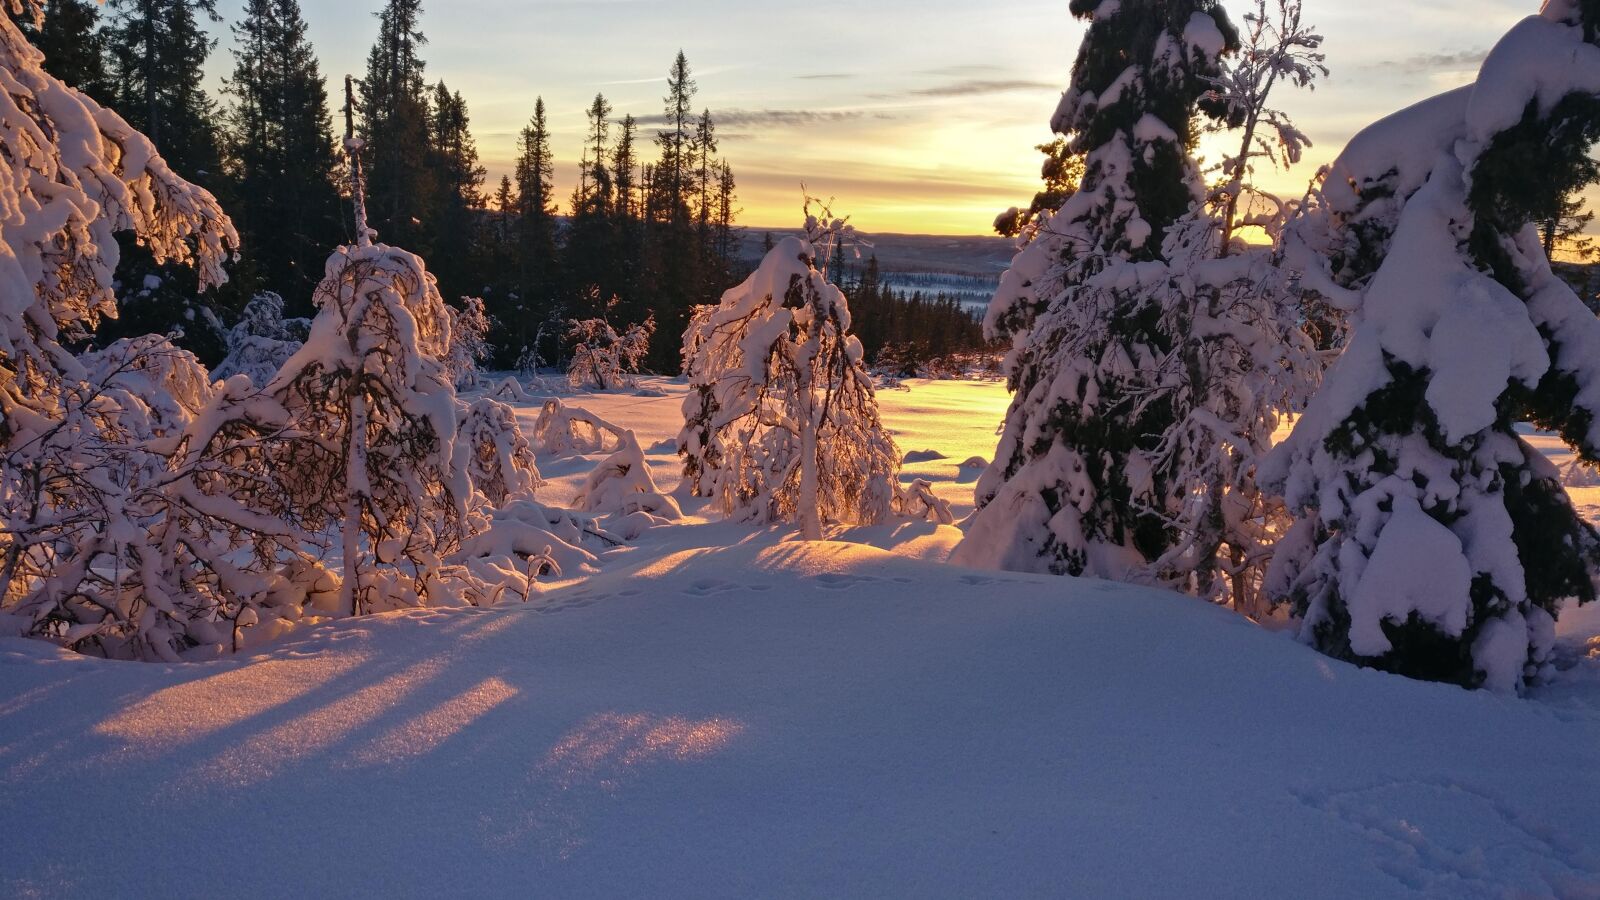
918 118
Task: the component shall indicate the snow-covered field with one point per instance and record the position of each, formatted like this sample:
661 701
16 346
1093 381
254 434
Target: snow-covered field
725 711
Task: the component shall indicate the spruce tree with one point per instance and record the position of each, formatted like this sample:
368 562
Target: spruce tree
281 151
1062 170
675 142
628 227
74 46
673 253
591 264
539 277
624 168
457 178
1433 540
495 253
1072 489
157 52
724 238
394 123
704 147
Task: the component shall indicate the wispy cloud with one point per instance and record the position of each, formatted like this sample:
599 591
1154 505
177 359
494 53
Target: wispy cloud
826 76
778 118
1459 61
974 87
960 71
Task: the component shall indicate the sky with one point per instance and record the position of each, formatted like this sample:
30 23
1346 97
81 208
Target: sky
916 116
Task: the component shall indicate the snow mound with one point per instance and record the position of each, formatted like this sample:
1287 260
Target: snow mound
688 722
922 456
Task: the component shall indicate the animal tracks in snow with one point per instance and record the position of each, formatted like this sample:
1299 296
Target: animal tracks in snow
711 587
838 581
1456 841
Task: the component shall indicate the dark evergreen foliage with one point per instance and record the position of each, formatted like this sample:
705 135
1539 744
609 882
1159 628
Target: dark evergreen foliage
281 154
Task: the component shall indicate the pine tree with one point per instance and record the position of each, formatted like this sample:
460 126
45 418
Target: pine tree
1434 541
394 123
281 151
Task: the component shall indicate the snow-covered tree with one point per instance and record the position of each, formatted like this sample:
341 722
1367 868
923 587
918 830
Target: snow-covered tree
603 359
133 525
469 343
1071 489
495 454
372 417
1433 540
1276 47
1153 354
919 502
261 341
126 534
621 487
781 421
520 543
562 430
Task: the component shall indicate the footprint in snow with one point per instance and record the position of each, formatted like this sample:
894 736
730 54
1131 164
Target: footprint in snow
707 587
838 582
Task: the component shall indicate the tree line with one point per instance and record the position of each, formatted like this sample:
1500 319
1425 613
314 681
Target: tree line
643 235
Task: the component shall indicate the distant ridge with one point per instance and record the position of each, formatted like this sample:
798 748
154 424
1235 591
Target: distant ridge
967 267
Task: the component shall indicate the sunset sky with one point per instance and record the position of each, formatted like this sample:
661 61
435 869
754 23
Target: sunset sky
917 116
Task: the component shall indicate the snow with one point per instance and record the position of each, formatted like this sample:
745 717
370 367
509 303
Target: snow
718 710
1417 567
1538 60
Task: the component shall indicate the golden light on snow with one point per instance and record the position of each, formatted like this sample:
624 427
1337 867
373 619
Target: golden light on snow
421 734
188 712
266 753
598 758
608 747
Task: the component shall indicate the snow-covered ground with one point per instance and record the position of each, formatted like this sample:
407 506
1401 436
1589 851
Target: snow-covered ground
724 711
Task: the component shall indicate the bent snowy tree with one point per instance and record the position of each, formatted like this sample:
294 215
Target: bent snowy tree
112 539
372 417
1434 541
781 422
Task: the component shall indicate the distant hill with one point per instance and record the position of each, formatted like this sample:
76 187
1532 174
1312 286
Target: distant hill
966 267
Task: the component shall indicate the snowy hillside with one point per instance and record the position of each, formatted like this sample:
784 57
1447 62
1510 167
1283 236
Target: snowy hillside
722 711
